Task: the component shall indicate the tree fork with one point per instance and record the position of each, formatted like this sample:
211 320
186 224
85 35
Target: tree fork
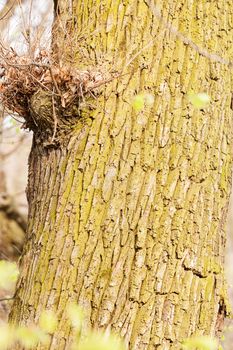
127 213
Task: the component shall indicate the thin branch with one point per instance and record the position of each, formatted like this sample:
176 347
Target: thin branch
8 11
6 299
54 81
202 51
54 117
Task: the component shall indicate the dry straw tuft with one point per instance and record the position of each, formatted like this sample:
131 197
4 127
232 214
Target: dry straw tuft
21 78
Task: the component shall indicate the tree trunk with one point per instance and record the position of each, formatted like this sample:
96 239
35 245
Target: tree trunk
127 213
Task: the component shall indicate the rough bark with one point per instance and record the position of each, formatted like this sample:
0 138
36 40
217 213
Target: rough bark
127 213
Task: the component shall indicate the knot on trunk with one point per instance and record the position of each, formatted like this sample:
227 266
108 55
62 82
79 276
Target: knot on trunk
47 95
46 112
49 120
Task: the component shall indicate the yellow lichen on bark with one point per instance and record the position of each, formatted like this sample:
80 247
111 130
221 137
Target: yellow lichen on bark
127 215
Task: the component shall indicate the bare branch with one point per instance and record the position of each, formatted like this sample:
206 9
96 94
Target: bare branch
202 51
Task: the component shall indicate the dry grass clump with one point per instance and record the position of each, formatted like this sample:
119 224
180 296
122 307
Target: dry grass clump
21 77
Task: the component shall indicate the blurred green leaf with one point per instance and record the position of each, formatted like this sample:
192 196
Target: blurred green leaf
140 100
99 341
149 99
6 336
13 121
8 274
48 321
75 315
200 343
200 100
31 336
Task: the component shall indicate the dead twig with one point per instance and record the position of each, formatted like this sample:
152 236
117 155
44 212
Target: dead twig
22 77
54 118
7 299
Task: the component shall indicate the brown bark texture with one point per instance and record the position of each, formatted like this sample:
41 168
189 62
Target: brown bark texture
127 211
